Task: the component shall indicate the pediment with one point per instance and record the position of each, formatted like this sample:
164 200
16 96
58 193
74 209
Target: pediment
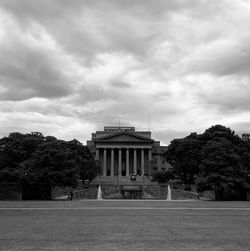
123 137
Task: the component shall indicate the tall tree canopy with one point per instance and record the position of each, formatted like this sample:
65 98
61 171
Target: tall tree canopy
222 169
14 151
33 158
185 156
163 176
217 159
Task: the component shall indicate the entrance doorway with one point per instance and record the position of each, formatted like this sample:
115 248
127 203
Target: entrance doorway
131 192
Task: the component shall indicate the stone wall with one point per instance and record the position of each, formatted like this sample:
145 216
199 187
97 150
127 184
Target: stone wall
108 192
209 194
160 192
155 192
149 192
57 192
111 192
184 195
85 193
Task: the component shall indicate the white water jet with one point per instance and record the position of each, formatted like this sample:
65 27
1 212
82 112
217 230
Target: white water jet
99 193
169 196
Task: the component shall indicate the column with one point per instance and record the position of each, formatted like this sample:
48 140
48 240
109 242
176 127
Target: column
142 162
112 162
97 154
127 162
135 161
120 162
149 155
149 162
104 162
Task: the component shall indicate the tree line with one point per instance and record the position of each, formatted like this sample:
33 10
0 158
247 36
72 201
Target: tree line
216 160
33 158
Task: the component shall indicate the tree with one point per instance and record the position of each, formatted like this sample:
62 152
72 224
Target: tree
219 131
245 152
53 163
163 176
14 151
222 169
61 163
217 159
185 156
33 158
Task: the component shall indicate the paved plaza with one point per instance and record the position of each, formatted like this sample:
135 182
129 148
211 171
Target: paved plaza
124 225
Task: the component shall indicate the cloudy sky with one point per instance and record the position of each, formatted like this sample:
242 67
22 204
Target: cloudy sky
67 68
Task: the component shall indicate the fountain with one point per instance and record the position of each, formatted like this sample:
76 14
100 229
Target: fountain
99 193
169 197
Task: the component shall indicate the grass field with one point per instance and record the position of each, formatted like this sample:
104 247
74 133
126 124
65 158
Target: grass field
124 225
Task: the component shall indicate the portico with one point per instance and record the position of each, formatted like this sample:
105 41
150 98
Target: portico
123 151
124 160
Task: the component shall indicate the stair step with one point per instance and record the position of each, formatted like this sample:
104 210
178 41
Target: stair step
122 180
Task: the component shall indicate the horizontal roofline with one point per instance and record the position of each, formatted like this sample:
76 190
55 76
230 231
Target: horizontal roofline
123 132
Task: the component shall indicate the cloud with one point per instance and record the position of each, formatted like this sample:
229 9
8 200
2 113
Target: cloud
99 26
120 84
225 95
32 63
67 64
222 57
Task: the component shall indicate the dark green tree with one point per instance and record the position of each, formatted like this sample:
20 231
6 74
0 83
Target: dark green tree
163 176
217 159
185 156
245 150
14 151
53 163
222 169
33 158
61 163
220 131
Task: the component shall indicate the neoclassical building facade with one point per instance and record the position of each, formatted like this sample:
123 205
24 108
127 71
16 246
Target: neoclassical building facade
123 151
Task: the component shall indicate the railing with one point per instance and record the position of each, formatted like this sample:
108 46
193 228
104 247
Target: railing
119 128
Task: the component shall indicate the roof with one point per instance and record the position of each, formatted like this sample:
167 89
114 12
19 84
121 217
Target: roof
123 137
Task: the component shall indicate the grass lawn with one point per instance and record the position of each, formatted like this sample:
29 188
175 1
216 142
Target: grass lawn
124 225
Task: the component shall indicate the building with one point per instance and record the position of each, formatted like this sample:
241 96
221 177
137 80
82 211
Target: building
123 151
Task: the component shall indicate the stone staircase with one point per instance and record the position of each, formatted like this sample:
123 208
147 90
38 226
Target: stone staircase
122 180
153 192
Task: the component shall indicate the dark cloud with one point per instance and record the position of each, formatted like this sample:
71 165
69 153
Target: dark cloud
87 94
28 9
226 95
88 25
28 72
120 84
97 26
223 58
229 105
90 63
